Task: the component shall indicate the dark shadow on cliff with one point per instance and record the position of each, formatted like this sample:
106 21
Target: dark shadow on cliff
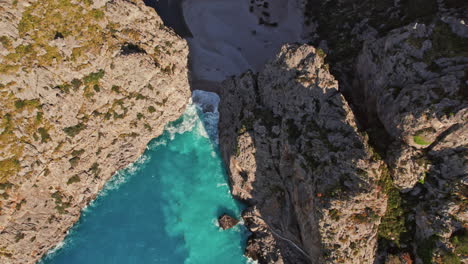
383 16
172 15
336 19
296 171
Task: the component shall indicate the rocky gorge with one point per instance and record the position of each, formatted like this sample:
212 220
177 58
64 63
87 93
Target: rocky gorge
348 148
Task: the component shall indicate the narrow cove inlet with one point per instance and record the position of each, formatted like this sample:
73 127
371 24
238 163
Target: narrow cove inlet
164 207
233 131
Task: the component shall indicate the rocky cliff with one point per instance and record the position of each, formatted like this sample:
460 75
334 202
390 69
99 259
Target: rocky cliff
369 167
414 82
85 85
294 152
402 67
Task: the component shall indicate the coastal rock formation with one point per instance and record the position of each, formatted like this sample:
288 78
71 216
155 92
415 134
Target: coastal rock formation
294 153
402 67
85 86
414 81
225 221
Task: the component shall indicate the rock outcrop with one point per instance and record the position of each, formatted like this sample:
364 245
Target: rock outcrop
296 156
226 221
85 86
414 81
402 67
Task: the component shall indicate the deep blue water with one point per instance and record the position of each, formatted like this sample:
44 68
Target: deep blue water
164 207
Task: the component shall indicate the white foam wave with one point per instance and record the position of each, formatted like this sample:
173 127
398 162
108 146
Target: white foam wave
157 143
62 244
59 246
189 121
123 175
215 222
208 103
251 261
200 115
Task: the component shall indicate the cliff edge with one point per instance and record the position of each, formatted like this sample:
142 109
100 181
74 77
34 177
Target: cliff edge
85 86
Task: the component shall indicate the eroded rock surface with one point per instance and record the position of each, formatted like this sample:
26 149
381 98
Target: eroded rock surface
295 154
82 92
414 80
402 67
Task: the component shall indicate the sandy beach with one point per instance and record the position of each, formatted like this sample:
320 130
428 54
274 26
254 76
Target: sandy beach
230 37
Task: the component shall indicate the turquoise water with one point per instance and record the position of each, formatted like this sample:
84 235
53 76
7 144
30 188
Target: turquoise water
164 207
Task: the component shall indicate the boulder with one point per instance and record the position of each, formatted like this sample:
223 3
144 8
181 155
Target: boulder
225 221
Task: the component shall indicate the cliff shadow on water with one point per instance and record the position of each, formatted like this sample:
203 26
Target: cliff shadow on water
297 158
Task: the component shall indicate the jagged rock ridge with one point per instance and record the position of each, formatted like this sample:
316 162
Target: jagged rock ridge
296 156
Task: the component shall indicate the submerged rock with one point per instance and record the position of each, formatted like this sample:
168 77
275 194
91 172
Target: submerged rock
225 221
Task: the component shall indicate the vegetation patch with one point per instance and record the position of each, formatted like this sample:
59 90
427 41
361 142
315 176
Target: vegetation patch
91 83
9 167
77 153
74 130
73 179
93 78
6 253
27 104
151 109
415 42
421 140
95 170
321 53
426 249
115 89
460 243
45 21
45 137
60 205
6 42
148 127
393 222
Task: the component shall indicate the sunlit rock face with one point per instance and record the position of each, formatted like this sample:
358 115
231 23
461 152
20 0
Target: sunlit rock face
84 88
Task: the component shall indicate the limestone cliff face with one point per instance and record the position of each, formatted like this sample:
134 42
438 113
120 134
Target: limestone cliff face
413 80
85 85
402 67
295 155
